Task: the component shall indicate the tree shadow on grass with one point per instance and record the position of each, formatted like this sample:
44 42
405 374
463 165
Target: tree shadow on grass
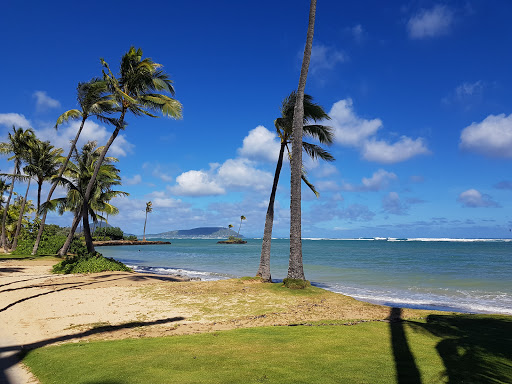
407 371
6 362
474 348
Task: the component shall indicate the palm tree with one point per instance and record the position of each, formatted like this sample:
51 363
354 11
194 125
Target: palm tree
17 145
3 187
135 91
44 161
94 100
77 178
148 209
241 219
324 134
295 266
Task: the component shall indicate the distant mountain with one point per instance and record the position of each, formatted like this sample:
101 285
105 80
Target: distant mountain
196 233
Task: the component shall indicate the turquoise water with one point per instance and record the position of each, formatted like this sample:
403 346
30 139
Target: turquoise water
468 276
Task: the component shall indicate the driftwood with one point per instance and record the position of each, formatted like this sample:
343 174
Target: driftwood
127 242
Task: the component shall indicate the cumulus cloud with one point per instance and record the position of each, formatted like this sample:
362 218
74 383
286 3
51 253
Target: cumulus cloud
357 212
379 180
91 132
350 129
474 199
491 137
354 131
391 203
197 183
10 119
429 23
45 102
243 173
383 152
260 144
325 57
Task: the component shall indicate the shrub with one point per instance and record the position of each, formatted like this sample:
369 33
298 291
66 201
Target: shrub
296 283
49 245
131 238
89 264
115 233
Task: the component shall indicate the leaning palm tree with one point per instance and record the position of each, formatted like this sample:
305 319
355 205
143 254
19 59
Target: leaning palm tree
136 91
94 100
149 208
76 179
241 219
324 134
3 187
295 266
17 145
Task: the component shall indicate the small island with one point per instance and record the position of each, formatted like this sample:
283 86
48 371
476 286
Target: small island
232 240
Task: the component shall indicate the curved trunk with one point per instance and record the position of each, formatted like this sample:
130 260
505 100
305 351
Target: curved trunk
4 216
264 269
88 191
87 229
39 187
54 186
295 266
64 250
20 219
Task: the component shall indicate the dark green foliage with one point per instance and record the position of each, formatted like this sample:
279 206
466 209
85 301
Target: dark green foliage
115 233
296 283
131 238
89 264
77 247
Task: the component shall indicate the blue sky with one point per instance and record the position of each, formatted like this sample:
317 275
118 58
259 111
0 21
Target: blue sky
419 92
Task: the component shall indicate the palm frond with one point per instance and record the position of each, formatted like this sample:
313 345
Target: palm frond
317 152
71 114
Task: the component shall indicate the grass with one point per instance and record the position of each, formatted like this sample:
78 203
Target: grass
442 348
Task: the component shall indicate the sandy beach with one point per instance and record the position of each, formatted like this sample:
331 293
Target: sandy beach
38 308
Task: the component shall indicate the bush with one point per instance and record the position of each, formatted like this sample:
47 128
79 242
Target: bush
296 283
131 238
89 264
49 245
115 233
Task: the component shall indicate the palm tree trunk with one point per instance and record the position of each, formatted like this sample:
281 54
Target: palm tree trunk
87 229
264 269
144 234
295 266
93 178
20 218
39 187
76 220
54 186
4 216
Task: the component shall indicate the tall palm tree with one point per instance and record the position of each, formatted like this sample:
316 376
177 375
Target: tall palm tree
136 91
295 266
149 208
17 145
94 100
44 161
3 187
76 179
324 134
241 219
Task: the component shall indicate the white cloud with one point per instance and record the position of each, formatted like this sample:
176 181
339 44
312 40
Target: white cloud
197 183
474 199
260 144
379 180
324 57
242 173
430 22
404 149
136 179
491 137
10 119
91 132
45 102
357 32
350 129
468 89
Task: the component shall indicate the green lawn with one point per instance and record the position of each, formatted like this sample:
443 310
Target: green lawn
444 348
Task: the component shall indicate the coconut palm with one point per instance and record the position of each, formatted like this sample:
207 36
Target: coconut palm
324 134
241 219
3 187
149 208
17 144
94 100
76 179
295 266
136 91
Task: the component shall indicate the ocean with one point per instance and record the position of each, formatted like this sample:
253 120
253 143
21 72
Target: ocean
473 276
